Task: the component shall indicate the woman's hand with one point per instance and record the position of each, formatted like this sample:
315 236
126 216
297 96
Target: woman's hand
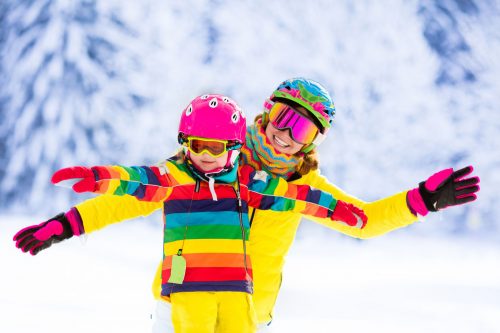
443 189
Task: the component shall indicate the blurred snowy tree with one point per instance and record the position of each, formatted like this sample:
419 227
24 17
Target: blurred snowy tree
3 33
464 36
68 92
443 30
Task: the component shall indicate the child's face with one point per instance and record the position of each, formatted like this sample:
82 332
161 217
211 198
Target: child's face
206 162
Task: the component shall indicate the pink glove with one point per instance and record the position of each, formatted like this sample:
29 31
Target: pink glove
82 179
443 189
38 237
349 214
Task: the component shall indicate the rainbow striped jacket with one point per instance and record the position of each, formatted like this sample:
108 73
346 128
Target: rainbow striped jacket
212 236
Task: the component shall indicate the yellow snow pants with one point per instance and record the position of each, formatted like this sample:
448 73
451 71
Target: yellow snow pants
213 312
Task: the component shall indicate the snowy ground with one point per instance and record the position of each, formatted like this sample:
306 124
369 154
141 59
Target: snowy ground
395 283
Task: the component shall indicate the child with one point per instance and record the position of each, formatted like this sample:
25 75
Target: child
207 272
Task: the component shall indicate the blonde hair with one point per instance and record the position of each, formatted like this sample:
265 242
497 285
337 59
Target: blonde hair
309 161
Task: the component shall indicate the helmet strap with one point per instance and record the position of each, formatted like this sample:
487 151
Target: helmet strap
268 104
232 158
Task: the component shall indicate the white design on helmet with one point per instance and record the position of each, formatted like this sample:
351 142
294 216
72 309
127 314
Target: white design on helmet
189 110
225 99
213 103
235 116
204 97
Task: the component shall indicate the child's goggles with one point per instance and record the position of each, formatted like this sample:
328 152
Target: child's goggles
213 147
302 129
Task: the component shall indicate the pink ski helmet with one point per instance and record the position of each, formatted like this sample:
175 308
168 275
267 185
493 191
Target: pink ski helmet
213 116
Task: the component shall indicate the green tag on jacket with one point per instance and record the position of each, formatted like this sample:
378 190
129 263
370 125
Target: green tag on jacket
178 269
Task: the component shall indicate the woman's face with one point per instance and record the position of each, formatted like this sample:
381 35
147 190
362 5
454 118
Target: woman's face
281 139
206 162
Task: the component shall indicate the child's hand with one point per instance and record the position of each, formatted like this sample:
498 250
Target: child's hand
80 179
36 238
349 214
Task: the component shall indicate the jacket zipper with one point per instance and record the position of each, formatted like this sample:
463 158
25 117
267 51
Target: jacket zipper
243 233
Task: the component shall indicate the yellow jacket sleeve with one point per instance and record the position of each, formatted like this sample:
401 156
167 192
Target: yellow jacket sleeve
384 215
104 210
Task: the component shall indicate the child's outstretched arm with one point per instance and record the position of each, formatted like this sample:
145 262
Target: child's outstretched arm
114 180
277 194
144 183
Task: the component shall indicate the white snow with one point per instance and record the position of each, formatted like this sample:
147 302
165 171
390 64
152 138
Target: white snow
400 282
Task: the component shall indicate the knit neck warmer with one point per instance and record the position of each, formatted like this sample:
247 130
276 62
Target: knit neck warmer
259 153
227 175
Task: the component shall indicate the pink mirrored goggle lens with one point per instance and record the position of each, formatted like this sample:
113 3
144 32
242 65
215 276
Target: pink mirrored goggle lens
302 129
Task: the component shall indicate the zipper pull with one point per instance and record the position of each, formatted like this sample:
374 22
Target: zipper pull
238 196
211 186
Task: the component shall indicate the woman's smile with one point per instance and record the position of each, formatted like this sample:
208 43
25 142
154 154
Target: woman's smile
280 142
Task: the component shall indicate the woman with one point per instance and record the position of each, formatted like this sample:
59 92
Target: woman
282 141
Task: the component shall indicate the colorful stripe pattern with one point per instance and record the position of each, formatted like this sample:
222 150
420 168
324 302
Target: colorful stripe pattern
259 153
211 235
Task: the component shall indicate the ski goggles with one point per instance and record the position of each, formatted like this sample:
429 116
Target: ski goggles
302 129
213 147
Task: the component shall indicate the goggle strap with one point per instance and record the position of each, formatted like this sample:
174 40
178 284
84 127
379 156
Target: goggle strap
268 104
235 147
319 139
181 139
234 157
